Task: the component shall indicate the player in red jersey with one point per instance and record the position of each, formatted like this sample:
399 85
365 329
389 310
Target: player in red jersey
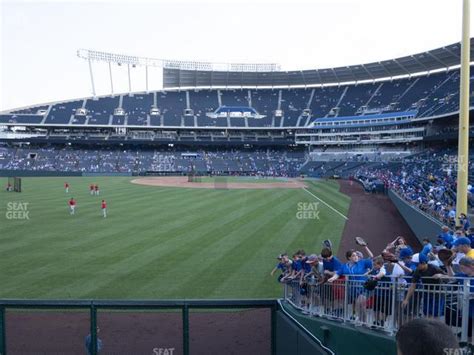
66 187
91 189
103 205
96 189
72 206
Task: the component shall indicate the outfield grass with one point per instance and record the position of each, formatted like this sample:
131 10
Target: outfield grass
156 242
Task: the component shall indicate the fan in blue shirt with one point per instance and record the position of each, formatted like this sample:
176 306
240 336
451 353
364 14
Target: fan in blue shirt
447 237
330 263
355 269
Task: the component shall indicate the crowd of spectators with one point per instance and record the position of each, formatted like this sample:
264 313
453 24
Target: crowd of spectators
386 289
262 162
427 181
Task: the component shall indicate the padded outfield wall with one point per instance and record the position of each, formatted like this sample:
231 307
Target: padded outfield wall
33 173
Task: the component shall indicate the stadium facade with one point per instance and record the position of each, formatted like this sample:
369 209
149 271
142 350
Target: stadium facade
377 111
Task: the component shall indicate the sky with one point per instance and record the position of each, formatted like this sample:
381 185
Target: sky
39 40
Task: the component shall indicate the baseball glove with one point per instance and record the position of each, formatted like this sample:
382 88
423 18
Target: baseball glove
446 256
327 244
304 289
360 241
370 284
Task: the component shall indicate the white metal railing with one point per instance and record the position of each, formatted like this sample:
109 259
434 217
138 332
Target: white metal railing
351 301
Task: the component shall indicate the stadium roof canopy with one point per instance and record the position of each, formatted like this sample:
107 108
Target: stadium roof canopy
436 59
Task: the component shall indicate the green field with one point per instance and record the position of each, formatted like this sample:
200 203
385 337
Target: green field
156 242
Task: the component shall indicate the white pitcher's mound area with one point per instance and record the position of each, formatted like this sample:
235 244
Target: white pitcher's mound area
221 183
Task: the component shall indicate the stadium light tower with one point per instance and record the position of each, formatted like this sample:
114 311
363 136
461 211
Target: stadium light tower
111 81
463 144
92 77
128 60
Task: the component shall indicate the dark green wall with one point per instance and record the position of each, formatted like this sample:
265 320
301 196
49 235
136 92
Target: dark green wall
345 339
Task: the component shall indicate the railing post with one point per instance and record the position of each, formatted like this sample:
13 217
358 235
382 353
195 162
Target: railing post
3 340
394 299
346 299
273 330
186 329
465 309
93 329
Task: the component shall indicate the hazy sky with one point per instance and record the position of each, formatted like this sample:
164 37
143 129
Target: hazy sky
39 40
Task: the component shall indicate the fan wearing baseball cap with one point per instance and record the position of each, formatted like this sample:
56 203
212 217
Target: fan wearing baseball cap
453 314
284 264
406 261
427 276
463 245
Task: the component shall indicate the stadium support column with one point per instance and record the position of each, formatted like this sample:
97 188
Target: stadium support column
111 81
463 144
146 77
129 80
92 77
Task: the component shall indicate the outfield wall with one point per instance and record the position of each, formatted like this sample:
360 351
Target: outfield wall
290 339
31 173
339 337
106 174
422 224
243 326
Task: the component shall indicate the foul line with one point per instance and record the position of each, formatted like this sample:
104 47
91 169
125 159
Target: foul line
316 197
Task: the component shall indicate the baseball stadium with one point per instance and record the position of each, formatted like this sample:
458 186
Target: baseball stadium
243 209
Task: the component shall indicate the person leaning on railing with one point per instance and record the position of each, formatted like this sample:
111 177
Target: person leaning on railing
312 275
284 264
427 274
380 295
355 269
406 261
453 315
